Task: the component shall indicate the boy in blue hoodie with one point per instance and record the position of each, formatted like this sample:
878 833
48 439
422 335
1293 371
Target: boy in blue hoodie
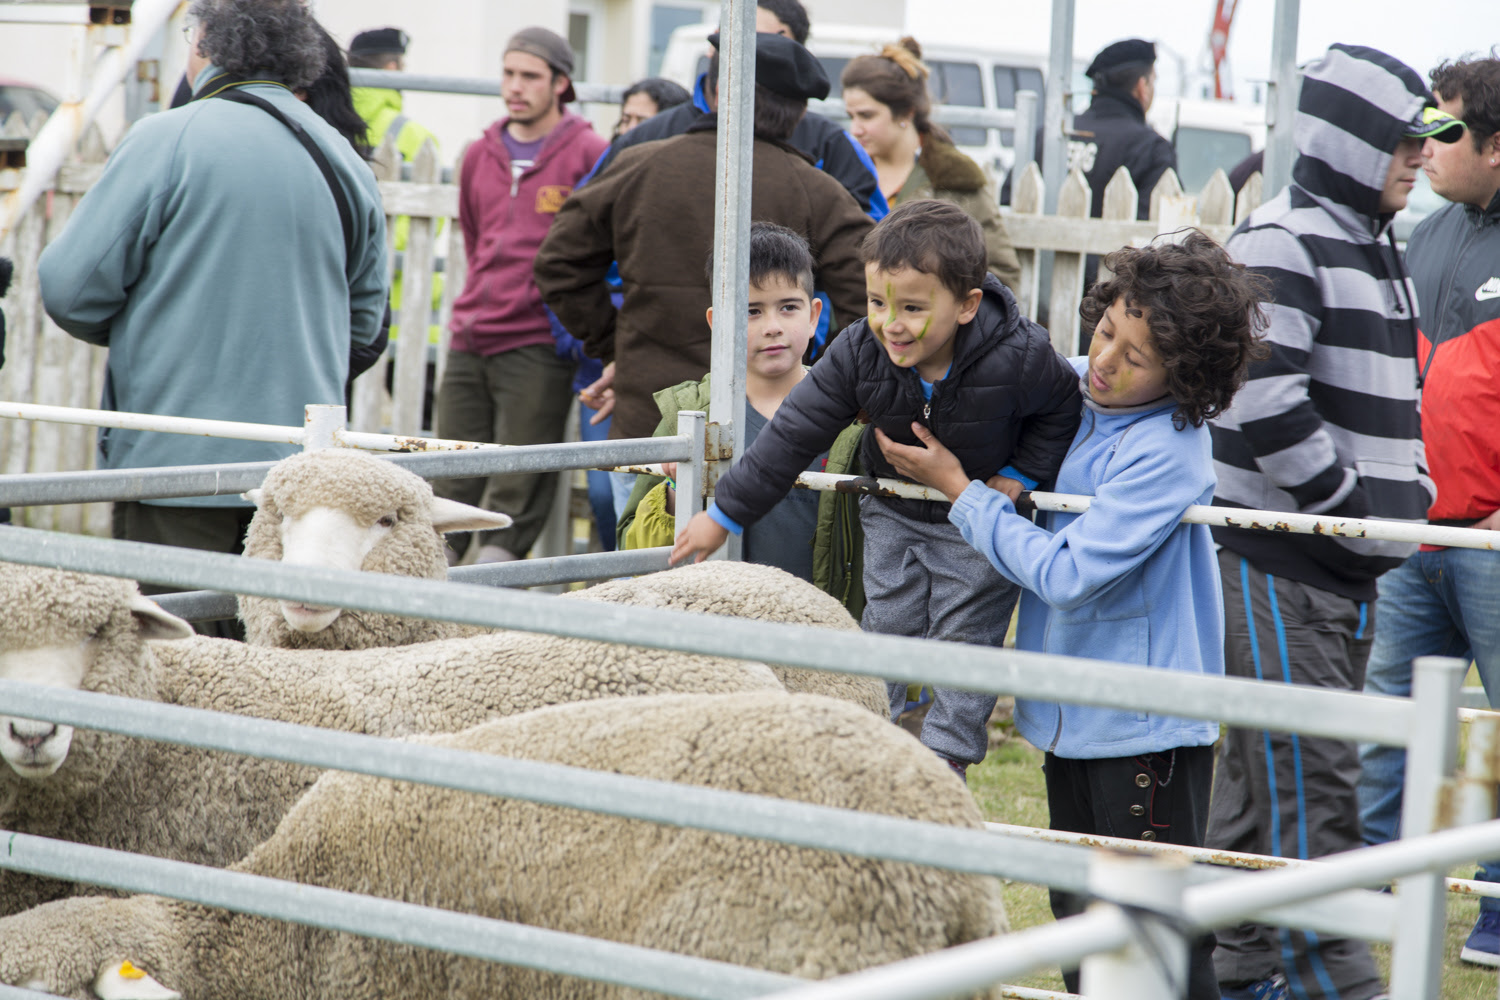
1174 332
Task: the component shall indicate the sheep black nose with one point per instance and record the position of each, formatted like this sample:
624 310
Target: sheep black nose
32 740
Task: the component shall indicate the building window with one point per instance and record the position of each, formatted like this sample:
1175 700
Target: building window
578 38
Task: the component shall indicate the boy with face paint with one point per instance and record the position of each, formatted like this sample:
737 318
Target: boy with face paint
1174 331
943 345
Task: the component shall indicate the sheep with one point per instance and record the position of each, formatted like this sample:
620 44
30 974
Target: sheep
798 911
98 634
350 510
764 593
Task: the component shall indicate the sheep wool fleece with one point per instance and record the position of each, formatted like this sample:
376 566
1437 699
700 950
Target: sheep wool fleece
761 593
797 911
212 808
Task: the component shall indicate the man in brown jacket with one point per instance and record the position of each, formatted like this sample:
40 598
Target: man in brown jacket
652 211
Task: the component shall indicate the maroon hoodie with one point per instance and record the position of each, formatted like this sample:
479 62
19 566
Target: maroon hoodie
504 221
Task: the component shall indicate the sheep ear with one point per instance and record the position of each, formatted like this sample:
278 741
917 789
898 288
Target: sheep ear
156 624
123 981
255 496
450 515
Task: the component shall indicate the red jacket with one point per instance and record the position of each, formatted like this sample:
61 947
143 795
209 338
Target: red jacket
1454 257
504 221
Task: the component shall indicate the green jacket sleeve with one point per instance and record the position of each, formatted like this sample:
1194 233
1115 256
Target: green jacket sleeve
651 526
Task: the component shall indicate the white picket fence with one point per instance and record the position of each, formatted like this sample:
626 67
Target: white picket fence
1072 235
45 365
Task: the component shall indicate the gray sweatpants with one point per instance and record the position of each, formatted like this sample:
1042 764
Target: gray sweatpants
1283 794
923 580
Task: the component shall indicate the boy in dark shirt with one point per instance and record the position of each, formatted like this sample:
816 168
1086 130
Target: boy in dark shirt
945 345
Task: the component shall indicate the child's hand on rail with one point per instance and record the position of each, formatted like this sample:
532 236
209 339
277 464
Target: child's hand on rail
933 465
700 539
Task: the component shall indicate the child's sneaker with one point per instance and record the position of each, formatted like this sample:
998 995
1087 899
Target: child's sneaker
1272 988
1483 946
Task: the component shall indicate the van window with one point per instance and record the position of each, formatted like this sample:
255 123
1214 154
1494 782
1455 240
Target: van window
1200 151
1005 87
1029 79
834 67
960 84
665 19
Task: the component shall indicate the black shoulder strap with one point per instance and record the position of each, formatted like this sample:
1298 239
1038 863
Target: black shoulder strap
346 215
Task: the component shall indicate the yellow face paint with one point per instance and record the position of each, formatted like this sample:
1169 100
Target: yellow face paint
926 325
890 304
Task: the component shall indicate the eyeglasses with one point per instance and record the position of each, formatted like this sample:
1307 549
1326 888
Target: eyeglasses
188 27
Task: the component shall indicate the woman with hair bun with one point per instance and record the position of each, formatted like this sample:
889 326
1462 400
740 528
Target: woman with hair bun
886 97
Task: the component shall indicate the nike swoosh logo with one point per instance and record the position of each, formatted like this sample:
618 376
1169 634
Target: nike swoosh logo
1489 290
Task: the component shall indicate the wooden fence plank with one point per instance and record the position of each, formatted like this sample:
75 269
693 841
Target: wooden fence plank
1121 202
1026 198
455 270
1249 197
1167 187
416 305
1216 200
1067 269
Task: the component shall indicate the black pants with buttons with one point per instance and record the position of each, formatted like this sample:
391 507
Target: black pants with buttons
1156 796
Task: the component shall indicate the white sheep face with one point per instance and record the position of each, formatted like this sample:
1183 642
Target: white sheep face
36 749
329 537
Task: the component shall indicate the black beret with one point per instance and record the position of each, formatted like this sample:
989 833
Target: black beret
784 67
379 40
1131 50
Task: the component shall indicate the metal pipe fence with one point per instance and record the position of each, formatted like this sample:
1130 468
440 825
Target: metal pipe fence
390 920
552 784
1343 715
1374 719
212 605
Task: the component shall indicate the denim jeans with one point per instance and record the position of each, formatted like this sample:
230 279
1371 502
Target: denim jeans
1443 603
601 494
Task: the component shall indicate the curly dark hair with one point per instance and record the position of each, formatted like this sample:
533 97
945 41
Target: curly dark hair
1204 312
274 38
1476 82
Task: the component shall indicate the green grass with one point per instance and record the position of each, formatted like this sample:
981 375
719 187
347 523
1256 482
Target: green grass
1009 788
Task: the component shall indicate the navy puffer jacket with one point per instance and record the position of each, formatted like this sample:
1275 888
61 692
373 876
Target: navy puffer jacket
1009 399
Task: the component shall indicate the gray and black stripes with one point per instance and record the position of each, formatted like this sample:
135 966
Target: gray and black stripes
1331 422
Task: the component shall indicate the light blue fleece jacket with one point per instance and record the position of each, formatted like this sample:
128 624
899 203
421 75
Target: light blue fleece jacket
210 260
1124 581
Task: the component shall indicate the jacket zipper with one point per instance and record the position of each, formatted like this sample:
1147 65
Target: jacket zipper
1437 327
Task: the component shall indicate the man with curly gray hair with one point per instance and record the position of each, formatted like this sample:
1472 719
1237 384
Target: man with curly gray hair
230 256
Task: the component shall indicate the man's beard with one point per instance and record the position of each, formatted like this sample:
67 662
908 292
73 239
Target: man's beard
531 116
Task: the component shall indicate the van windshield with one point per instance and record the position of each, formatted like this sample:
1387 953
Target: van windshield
834 67
959 84
1201 151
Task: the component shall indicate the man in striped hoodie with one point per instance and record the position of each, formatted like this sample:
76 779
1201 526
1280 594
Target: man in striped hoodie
1329 424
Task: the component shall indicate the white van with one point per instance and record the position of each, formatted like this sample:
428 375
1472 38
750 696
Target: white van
962 77
1208 135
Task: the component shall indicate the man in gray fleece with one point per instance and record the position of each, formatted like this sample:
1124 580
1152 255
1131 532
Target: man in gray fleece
214 260
1328 424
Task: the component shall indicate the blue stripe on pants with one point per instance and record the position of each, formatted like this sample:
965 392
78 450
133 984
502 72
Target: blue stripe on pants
1315 959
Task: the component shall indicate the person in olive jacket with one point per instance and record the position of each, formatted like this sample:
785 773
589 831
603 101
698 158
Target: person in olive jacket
653 211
